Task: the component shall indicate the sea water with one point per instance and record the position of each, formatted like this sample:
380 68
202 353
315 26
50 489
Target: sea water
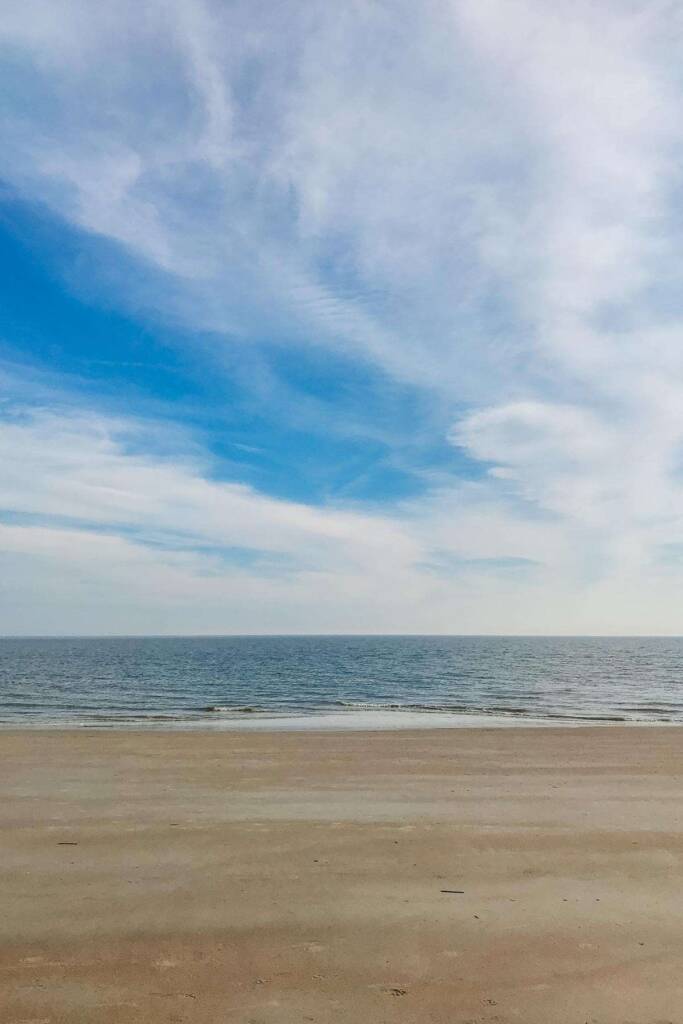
338 681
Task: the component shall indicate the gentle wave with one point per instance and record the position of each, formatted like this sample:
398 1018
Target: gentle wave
463 709
196 682
229 708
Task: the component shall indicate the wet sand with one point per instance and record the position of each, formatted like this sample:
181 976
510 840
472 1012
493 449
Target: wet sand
272 878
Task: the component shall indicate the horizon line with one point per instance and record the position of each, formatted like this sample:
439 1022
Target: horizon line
237 636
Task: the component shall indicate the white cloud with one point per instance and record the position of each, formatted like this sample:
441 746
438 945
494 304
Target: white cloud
82 467
124 537
480 196
103 538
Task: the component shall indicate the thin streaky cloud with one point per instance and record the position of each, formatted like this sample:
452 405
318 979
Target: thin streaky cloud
476 203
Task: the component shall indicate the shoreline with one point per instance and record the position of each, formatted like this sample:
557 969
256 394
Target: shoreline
338 723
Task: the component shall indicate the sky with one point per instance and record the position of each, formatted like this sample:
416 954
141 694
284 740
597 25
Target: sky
341 318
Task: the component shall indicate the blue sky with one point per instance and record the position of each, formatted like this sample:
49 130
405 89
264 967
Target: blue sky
359 319
293 421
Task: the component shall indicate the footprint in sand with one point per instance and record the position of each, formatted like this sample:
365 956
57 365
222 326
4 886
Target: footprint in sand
390 990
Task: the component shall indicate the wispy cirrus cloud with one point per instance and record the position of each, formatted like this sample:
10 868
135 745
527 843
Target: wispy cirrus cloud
84 502
481 199
96 532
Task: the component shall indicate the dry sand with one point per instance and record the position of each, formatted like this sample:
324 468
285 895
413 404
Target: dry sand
271 878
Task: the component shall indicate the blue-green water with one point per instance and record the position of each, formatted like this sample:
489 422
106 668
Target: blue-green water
373 681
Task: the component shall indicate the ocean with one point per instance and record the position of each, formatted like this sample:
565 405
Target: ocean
338 681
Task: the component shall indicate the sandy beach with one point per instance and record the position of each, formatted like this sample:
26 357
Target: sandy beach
443 876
